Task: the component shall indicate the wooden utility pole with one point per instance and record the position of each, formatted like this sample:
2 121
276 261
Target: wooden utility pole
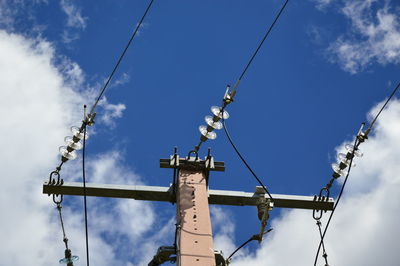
194 242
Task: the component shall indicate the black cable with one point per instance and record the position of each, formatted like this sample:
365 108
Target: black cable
261 43
242 245
121 57
65 239
84 193
383 107
356 143
243 160
233 92
324 254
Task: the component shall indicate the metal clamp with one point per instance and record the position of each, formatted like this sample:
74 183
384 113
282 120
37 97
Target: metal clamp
263 207
194 152
164 254
53 176
324 194
209 161
174 160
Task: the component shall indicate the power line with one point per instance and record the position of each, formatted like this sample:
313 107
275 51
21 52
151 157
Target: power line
84 191
356 144
361 137
121 57
254 237
243 160
233 92
90 117
383 107
228 97
259 46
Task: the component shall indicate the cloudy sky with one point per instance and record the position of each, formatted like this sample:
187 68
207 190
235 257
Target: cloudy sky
325 69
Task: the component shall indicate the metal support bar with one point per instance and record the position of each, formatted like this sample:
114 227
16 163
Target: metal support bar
154 193
188 163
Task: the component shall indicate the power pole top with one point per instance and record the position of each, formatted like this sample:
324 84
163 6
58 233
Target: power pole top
189 190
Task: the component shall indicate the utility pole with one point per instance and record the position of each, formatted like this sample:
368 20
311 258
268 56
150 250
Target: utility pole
194 242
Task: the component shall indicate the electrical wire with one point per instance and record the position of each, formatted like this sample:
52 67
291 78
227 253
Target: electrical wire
243 160
65 239
84 194
259 46
241 246
357 142
237 83
233 91
383 107
92 114
121 57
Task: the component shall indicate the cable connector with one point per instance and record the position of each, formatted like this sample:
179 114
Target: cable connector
263 207
228 96
362 136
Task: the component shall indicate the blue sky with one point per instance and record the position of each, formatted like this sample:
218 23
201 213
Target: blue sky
323 70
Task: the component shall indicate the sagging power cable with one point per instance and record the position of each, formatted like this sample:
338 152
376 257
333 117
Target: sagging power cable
260 45
84 191
360 138
219 112
253 237
243 160
68 152
120 58
74 143
321 244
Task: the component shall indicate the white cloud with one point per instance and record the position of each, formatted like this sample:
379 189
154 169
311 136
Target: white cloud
7 14
364 230
74 16
75 21
110 112
223 230
374 36
13 12
321 4
122 80
38 106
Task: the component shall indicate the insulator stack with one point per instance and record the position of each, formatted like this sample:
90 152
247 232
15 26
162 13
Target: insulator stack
344 160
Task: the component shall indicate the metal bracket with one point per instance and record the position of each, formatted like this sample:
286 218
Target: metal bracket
174 160
219 258
263 207
192 163
164 254
209 161
172 194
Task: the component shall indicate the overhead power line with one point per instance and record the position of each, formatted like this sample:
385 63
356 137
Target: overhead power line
243 160
68 152
382 108
233 92
356 143
259 46
121 57
206 132
361 136
84 191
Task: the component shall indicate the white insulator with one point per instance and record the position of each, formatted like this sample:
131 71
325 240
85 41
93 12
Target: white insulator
205 133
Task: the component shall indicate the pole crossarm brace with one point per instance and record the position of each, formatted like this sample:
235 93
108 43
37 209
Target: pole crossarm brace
155 193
